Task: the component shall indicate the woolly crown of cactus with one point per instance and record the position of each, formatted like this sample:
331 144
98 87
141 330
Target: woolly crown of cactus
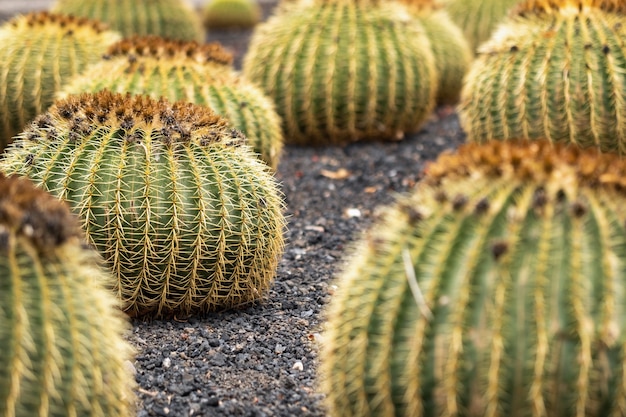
342 71
538 7
179 70
185 215
63 352
495 288
40 51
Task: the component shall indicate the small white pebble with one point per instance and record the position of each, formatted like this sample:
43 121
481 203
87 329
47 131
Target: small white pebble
298 366
167 362
353 212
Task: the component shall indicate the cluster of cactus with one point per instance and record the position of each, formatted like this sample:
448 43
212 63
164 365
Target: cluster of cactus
554 70
174 19
179 70
478 18
450 48
63 352
344 70
40 51
185 215
221 14
495 288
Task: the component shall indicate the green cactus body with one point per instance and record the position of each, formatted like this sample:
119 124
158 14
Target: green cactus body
478 18
496 288
39 52
554 73
188 71
174 19
222 14
342 71
63 352
185 215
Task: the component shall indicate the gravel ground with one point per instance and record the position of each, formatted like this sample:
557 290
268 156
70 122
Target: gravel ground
262 360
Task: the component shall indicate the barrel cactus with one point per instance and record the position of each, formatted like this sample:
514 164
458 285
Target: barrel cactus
63 353
344 70
478 18
553 70
225 14
186 216
179 70
450 48
497 287
39 52
175 19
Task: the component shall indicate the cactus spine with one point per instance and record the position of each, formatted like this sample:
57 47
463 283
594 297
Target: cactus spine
553 70
185 215
174 19
63 353
496 288
224 14
341 71
39 52
179 70
478 18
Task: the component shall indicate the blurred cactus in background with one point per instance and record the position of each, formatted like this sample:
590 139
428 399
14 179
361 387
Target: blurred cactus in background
225 14
554 70
63 353
344 70
39 52
496 287
186 216
179 70
173 19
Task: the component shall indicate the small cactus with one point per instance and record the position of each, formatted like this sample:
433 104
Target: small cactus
553 70
179 70
63 353
495 288
39 52
224 14
344 70
478 18
450 48
174 19
186 216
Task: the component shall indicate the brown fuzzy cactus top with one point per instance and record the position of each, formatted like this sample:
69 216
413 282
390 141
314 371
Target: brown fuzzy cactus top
157 47
70 22
539 7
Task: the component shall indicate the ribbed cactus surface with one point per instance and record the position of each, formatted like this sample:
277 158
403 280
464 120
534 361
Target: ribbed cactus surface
186 216
174 19
341 71
496 288
39 52
179 70
223 14
478 18
553 70
62 351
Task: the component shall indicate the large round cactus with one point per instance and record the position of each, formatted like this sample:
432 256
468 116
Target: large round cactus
478 18
554 70
498 287
186 216
173 19
344 70
62 351
179 70
39 52
226 14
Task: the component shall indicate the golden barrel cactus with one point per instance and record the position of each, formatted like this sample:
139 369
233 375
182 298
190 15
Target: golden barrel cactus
227 14
554 70
62 349
38 53
179 70
344 70
496 288
185 215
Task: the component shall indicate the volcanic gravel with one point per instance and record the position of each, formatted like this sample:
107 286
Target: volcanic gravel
262 360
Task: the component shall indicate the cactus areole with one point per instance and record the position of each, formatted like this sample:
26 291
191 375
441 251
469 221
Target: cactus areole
496 288
185 215
553 70
62 351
